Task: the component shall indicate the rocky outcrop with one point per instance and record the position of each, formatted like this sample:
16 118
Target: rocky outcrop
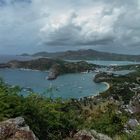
16 129
54 72
132 124
51 75
89 135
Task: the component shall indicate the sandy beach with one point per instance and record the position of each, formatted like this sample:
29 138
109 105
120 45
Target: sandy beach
108 85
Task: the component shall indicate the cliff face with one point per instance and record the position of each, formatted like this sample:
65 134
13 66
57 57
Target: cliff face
54 71
16 129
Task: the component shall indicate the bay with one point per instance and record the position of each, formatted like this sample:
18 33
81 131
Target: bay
66 86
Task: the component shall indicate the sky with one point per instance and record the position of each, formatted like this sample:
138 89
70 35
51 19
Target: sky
28 26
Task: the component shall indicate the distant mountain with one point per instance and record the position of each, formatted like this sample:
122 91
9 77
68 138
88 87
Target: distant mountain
89 55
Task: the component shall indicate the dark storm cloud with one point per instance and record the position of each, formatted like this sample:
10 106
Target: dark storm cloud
116 22
26 24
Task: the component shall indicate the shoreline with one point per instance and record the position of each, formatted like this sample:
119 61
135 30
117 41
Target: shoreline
24 69
98 93
107 84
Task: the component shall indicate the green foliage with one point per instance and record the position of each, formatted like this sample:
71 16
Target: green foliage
49 119
109 122
130 136
54 119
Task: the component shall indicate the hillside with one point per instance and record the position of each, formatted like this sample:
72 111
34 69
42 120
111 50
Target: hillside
55 67
88 55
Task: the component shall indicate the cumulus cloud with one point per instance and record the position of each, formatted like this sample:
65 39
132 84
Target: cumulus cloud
30 25
73 29
103 22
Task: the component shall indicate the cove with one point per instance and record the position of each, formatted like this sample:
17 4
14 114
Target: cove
65 86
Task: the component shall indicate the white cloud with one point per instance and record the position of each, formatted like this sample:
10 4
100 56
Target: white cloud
74 28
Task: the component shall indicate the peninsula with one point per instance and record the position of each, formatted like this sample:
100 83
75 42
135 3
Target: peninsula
55 67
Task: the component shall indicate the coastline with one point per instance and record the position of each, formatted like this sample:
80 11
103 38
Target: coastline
25 69
98 93
107 84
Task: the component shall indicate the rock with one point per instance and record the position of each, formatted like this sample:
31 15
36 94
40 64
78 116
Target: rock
83 135
16 129
89 135
19 121
133 109
99 136
132 124
54 72
52 75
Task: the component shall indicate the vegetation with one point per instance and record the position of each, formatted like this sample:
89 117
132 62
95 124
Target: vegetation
54 119
49 119
133 136
56 67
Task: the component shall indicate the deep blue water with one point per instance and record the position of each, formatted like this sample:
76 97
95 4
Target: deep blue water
65 86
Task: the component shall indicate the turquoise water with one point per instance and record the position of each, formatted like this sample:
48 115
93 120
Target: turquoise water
65 86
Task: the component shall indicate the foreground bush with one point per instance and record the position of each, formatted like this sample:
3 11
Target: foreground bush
49 119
